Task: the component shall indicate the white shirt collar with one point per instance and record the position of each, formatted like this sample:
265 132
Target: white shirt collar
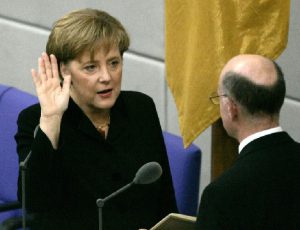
254 136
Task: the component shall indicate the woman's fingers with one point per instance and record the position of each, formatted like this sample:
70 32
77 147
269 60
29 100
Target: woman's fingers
48 67
42 69
47 64
47 74
35 77
53 96
54 66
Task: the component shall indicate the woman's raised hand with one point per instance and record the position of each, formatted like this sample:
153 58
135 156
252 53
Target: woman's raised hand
53 96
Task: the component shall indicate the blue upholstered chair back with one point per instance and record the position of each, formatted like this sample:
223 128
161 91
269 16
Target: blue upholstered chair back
12 101
185 167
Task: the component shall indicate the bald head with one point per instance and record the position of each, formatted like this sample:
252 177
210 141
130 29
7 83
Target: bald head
256 68
255 82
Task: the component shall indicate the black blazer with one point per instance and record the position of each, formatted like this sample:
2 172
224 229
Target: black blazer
64 184
260 191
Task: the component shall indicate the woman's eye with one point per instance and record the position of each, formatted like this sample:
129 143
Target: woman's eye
114 64
90 68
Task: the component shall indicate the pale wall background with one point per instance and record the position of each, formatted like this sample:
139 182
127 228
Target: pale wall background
25 25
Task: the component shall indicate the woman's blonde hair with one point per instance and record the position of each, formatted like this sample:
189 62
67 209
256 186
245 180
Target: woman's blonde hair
83 30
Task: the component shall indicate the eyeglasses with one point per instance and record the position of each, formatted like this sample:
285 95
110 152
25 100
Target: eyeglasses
215 98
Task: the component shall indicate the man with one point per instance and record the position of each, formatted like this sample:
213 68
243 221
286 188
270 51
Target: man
262 188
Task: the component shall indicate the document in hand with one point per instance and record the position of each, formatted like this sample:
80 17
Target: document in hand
176 221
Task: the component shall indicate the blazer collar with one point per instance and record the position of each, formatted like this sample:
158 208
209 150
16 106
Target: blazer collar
265 141
118 120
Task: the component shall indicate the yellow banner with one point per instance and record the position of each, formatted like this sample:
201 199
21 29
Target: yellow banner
201 36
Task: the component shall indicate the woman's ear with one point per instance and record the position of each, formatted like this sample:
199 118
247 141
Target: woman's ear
64 70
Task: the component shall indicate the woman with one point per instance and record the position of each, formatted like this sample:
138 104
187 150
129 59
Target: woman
92 137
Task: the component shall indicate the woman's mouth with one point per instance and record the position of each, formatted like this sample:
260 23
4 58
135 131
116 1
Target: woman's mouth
105 93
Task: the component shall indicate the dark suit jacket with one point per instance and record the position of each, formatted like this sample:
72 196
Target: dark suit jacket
260 191
64 184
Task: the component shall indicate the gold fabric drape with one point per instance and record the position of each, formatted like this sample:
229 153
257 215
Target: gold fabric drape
201 36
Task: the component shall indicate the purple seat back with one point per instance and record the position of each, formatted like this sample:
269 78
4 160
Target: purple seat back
12 101
185 165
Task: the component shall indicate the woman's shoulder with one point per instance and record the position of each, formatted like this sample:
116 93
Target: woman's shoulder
136 102
135 95
31 111
136 98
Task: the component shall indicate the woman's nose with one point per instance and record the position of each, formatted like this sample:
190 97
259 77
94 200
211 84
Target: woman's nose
104 75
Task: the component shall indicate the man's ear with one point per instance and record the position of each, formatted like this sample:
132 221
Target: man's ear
233 109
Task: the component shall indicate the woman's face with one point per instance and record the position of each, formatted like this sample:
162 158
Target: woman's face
96 84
